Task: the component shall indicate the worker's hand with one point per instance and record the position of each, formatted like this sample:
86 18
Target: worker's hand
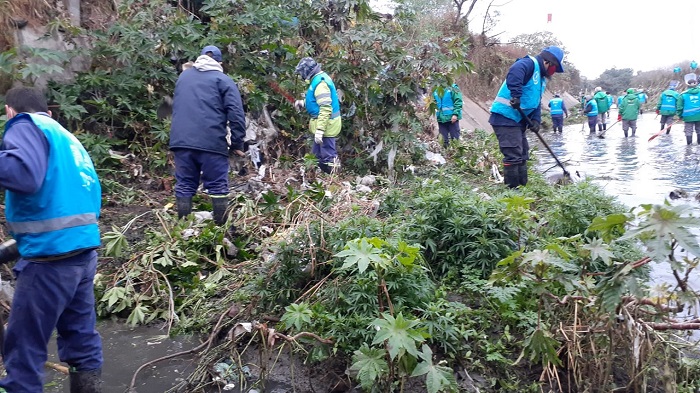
619 117
454 118
535 127
515 102
318 136
299 105
239 153
658 112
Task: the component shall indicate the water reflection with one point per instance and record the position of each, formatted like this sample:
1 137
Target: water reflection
634 169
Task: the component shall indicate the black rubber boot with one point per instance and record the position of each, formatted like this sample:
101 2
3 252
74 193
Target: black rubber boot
600 127
605 126
668 131
511 175
86 381
522 174
689 139
325 167
184 206
219 205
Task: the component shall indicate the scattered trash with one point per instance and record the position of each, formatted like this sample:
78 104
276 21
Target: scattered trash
189 232
7 292
363 189
226 372
678 194
368 180
435 158
240 329
200 216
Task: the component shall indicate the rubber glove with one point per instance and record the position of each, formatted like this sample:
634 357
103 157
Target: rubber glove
299 105
535 127
318 136
619 117
658 112
515 102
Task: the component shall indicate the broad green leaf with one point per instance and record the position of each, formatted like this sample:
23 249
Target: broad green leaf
600 250
399 333
297 315
438 378
370 364
359 253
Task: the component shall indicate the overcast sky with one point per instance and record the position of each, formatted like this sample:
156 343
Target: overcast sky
602 34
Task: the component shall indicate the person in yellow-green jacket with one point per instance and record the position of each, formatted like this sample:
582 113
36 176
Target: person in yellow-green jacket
322 104
448 110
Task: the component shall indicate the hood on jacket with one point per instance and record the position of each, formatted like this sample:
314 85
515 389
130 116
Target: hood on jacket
206 63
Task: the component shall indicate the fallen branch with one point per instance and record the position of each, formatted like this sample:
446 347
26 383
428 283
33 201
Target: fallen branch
58 367
673 326
205 345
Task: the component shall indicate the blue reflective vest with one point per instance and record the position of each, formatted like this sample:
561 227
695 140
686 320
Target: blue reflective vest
61 216
668 102
619 100
556 106
445 104
691 104
642 97
312 106
594 108
610 100
529 101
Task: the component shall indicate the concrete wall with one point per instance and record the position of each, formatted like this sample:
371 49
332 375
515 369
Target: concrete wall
475 115
39 37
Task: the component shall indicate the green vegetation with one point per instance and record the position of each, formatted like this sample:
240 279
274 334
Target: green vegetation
439 272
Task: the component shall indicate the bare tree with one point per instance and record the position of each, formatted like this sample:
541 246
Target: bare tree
459 4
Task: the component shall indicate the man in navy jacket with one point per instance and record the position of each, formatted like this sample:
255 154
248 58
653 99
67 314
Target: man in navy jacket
205 101
52 204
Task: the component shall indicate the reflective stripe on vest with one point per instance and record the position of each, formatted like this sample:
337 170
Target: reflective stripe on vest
529 101
668 102
691 104
594 108
556 106
52 224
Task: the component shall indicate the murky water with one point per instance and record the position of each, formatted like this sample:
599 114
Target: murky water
126 349
635 170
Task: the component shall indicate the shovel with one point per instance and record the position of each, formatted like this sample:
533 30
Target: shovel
662 130
529 123
602 134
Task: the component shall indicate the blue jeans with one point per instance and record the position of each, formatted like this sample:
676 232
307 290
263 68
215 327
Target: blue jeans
449 131
193 165
325 153
558 122
48 295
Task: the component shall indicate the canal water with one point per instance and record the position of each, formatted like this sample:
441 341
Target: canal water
633 169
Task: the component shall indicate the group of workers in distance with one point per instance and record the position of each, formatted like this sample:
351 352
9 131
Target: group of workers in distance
685 105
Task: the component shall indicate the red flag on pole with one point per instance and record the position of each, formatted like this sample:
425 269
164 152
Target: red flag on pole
549 18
